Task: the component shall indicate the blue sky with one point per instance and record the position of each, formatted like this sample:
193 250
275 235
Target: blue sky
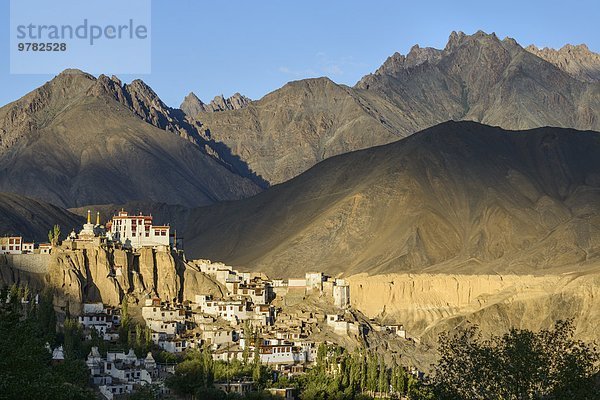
254 47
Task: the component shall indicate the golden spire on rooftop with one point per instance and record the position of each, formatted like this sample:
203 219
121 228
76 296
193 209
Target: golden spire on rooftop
89 219
97 217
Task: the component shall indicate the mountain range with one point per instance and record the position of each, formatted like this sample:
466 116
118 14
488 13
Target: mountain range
449 186
80 140
475 77
459 197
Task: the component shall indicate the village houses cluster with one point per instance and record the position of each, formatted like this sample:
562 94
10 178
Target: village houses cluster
224 323
243 320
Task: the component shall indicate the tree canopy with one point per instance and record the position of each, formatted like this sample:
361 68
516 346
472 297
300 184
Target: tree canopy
519 365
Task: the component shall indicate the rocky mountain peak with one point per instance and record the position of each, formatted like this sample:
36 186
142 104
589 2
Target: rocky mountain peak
455 39
141 99
39 107
459 45
416 56
576 60
70 72
458 39
420 55
192 105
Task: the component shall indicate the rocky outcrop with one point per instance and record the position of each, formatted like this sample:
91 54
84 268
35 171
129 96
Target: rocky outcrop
578 61
83 275
168 276
220 103
416 56
195 282
92 274
192 105
145 103
428 304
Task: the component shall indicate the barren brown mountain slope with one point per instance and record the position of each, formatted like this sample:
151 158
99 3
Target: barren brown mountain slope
289 130
475 77
33 219
578 61
458 197
71 143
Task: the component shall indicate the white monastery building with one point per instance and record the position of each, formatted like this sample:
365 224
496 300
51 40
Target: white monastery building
137 231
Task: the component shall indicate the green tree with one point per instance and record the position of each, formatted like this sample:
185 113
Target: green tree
321 364
208 366
521 364
125 328
247 331
26 371
54 235
398 380
72 339
257 370
146 392
383 382
148 337
14 296
141 345
189 375
372 373
256 359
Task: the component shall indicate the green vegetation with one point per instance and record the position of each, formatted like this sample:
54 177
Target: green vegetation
521 365
132 335
339 374
54 235
26 371
195 375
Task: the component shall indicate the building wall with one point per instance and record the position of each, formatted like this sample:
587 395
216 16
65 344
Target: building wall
10 244
341 296
144 234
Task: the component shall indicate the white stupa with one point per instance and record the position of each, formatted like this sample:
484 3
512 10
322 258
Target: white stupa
58 354
88 229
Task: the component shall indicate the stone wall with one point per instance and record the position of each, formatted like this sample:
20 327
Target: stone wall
35 263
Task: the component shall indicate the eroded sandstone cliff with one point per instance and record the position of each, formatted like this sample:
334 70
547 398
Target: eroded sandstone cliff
428 304
94 274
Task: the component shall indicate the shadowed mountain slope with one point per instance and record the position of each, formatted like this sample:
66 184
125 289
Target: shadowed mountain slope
33 219
74 142
458 197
